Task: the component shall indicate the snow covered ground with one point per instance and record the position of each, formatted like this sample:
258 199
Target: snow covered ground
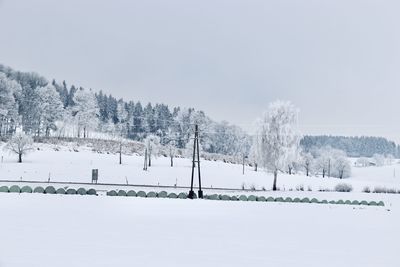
63 230
69 166
58 230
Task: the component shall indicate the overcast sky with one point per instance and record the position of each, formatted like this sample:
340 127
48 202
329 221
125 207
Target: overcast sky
338 61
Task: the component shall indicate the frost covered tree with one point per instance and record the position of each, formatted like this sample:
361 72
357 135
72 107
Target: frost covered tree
362 162
85 111
8 105
307 161
20 144
341 167
276 137
152 144
171 152
50 109
379 160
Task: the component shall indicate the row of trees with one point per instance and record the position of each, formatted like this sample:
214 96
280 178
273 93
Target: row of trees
40 108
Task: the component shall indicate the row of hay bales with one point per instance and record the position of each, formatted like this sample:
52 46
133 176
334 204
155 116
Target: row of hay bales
291 200
47 190
163 194
151 194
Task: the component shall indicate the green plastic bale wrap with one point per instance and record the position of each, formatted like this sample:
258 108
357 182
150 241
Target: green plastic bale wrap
141 194
261 199
71 191
332 202
121 193
297 200
279 199
131 193
213 197
26 189
162 194
50 190
340 202
288 199
172 195
91 192
61 191
225 197
270 199
347 202
305 200
4 189
15 189
314 200
252 198
111 193
81 191
234 198
243 198
152 194
364 203
373 203
355 202
324 201
182 196
381 203
38 189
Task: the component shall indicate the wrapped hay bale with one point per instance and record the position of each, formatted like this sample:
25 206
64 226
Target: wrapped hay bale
270 199
288 199
305 200
152 194
111 193
81 191
243 198
50 190
15 189
121 193
225 197
162 194
184 196
26 189
91 192
141 194
61 191
4 189
297 200
314 200
131 193
252 198
279 199
172 195
261 199
38 189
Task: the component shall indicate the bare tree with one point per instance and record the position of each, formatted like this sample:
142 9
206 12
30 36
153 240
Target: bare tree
20 144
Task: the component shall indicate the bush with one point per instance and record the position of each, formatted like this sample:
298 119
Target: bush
38 189
50 190
131 193
366 189
60 191
26 189
343 187
300 187
4 189
15 189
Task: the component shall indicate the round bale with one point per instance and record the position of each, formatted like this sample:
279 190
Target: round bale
270 199
364 203
111 193
162 194
297 200
61 191
288 199
91 192
131 193
81 191
152 194
355 202
243 198
305 200
141 194
261 199
26 189
279 199
15 189
50 190
314 200
121 193
71 191
340 202
38 189
182 196
4 189
252 198
225 197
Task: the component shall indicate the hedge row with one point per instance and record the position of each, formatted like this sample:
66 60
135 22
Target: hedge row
47 190
164 194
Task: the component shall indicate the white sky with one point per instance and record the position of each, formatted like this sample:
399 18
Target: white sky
338 61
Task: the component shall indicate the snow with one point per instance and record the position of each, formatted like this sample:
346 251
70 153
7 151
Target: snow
69 166
64 231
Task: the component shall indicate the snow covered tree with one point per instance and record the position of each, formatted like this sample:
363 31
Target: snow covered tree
85 111
379 160
362 162
307 161
8 105
171 151
276 137
152 144
50 109
341 167
20 144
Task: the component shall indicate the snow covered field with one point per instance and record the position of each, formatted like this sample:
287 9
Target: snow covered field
52 230
70 166
62 230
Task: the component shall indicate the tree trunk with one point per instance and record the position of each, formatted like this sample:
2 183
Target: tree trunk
120 154
149 159
255 167
323 173
20 157
275 178
172 161
290 170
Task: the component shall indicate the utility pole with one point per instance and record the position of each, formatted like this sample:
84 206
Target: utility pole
196 158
